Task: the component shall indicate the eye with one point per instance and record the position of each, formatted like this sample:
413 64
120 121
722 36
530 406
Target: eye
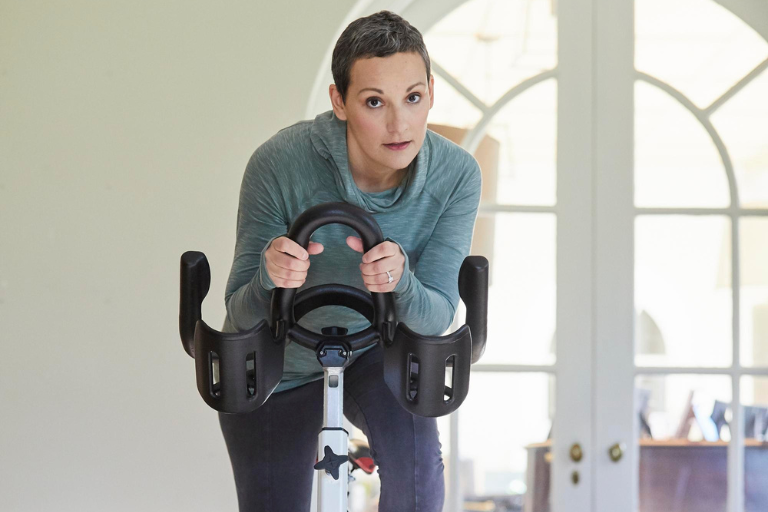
417 96
369 100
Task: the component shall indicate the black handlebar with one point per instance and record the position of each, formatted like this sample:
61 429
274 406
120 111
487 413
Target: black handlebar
282 318
195 283
415 367
473 289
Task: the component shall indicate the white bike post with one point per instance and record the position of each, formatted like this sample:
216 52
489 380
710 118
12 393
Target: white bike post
332 445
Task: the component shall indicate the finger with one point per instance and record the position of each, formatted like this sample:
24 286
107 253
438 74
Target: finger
383 250
276 271
283 283
379 279
315 248
382 288
288 262
380 267
355 243
288 246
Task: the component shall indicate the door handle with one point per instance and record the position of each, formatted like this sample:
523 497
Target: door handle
576 452
616 452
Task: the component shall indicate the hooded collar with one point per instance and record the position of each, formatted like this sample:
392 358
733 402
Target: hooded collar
329 137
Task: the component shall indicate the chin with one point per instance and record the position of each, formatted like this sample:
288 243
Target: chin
400 161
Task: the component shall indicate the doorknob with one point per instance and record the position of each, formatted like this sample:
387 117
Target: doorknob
576 452
617 451
576 455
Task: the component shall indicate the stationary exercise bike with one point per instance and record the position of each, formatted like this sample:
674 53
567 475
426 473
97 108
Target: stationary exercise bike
237 372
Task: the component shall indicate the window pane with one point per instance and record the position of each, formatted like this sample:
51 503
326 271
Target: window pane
526 130
742 122
504 424
682 292
451 108
683 442
676 162
697 46
517 152
492 45
753 238
754 398
521 295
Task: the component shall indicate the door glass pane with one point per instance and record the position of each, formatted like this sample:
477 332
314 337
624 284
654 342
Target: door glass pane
364 488
682 291
525 130
492 45
517 153
676 162
754 398
697 46
451 108
520 248
683 442
753 238
504 443
743 122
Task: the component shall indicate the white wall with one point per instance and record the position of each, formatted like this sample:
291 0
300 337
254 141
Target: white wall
125 128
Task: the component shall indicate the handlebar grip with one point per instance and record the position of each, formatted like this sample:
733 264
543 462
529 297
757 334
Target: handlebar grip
336 213
282 317
473 289
195 283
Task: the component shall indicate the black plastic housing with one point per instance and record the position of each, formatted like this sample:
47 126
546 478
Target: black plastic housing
423 390
239 389
439 381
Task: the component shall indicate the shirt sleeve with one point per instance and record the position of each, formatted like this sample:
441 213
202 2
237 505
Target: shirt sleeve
260 220
427 297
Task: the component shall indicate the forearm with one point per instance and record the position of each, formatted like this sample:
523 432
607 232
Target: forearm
424 310
250 303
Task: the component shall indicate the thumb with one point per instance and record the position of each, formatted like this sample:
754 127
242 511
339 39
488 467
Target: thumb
355 243
315 248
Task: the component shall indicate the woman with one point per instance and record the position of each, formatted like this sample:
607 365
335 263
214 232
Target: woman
372 150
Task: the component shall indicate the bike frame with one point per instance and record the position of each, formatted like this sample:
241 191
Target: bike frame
332 488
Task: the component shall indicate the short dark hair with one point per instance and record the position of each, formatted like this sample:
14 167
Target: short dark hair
378 35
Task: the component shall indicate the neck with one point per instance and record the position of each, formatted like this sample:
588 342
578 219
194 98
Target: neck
377 182
368 176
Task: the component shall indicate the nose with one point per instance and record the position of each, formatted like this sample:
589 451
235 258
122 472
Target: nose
397 123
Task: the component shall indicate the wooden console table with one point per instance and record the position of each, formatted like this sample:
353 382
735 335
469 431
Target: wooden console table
675 476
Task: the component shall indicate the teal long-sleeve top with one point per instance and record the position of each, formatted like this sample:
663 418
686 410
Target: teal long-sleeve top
430 215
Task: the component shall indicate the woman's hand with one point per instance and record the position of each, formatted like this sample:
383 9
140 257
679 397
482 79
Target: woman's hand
382 258
288 262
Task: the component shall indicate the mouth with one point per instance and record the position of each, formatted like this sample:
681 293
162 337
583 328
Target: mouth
397 146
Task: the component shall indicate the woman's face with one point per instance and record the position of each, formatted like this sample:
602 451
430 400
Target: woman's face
387 102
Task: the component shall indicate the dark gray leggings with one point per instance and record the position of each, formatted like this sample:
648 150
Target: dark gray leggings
273 449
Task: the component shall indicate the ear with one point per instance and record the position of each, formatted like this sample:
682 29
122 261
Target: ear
431 90
337 103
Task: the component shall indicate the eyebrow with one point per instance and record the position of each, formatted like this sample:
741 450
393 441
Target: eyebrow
382 92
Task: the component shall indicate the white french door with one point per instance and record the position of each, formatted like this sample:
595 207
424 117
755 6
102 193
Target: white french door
661 395
680 108
625 215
